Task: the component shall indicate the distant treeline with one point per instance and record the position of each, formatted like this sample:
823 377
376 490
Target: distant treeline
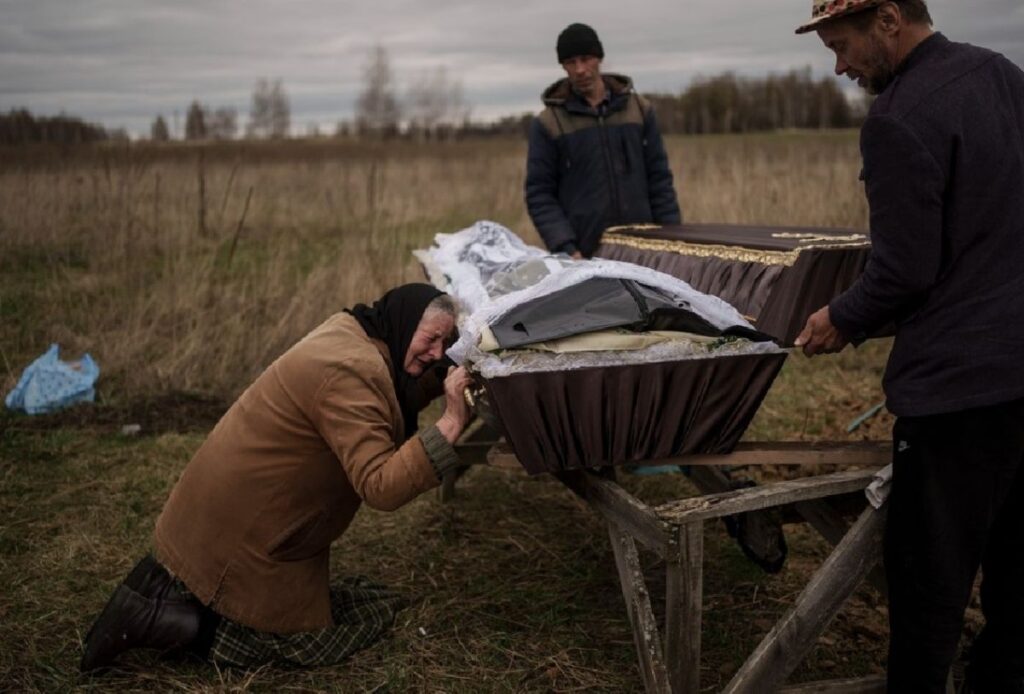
722 104
19 127
731 104
715 105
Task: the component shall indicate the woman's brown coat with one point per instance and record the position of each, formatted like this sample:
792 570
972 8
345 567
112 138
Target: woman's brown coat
249 525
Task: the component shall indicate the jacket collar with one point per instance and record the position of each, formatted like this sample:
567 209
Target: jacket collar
381 346
561 94
383 349
922 52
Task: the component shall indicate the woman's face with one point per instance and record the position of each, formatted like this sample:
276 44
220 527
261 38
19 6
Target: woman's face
428 342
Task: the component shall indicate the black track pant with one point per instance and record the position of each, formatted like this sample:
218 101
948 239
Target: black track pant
957 503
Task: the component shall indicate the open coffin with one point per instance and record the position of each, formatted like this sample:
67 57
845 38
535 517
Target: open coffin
774 276
594 363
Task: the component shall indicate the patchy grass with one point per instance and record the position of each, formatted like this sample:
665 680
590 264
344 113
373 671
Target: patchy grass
512 586
817 399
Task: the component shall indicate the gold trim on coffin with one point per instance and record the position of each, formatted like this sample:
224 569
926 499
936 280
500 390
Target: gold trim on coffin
850 239
619 236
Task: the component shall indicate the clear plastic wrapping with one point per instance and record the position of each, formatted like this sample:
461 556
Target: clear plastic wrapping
490 271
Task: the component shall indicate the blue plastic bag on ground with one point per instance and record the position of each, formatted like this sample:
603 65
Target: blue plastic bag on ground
50 384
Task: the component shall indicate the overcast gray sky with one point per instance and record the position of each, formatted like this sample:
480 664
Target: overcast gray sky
120 62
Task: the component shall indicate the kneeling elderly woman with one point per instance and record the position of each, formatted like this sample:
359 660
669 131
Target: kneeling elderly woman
241 570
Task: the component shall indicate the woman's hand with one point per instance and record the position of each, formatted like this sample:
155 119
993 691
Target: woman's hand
456 409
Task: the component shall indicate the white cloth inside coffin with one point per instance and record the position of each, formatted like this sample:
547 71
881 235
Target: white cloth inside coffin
497 277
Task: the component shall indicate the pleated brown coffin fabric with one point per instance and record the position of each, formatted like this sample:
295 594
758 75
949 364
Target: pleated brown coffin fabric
776 296
566 420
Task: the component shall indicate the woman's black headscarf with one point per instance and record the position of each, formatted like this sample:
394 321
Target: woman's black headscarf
393 319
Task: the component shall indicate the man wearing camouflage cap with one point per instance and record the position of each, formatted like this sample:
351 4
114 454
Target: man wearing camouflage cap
943 150
596 158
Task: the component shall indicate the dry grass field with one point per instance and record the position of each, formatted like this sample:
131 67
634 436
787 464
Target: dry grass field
185 270
160 263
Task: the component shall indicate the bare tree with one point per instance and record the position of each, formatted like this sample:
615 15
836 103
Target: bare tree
222 124
158 132
259 110
377 110
280 111
433 101
270 112
195 122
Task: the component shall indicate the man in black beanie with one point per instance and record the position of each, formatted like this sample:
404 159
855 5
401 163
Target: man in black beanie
596 158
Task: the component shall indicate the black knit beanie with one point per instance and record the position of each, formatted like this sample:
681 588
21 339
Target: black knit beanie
578 39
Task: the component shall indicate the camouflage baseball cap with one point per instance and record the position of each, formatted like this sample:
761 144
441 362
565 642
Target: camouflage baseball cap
824 10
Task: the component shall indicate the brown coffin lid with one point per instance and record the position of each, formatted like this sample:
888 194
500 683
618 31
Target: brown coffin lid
782 242
775 276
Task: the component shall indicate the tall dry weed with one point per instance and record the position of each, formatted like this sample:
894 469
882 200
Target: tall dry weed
192 268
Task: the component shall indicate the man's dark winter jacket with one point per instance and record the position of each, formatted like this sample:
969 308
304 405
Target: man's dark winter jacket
943 153
589 169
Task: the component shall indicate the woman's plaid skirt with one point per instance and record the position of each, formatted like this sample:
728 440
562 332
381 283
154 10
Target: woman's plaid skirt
362 612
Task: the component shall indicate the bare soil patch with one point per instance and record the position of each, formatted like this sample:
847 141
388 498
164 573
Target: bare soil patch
154 415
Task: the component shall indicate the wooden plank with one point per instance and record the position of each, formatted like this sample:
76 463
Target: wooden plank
446 492
618 506
842 453
710 480
817 512
641 616
873 684
479 432
767 496
684 601
501 454
831 526
473 446
793 636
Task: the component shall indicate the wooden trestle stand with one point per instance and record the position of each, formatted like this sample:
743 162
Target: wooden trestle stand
675 531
